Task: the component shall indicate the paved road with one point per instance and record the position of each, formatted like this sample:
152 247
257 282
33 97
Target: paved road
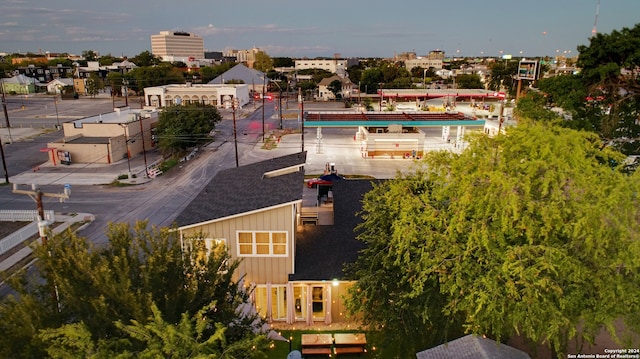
162 199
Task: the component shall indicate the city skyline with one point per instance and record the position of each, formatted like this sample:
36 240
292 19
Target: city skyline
297 29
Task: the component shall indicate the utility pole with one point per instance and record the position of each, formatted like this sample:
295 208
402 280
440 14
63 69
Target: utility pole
301 116
36 194
125 91
235 134
6 114
144 150
263 94
4 162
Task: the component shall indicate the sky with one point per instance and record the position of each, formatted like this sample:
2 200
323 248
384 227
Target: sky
321 28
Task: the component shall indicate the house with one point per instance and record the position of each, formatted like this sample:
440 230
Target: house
347 88
19 84
296 269
256 80
471 347
56 86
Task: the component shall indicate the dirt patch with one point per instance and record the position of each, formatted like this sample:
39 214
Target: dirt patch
6 228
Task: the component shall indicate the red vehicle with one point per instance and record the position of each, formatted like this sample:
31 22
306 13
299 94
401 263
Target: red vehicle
326 180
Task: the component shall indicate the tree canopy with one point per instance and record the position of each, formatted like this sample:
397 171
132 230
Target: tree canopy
532 233
144 294
183 126
603 96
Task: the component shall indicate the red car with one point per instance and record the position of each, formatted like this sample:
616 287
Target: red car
323 180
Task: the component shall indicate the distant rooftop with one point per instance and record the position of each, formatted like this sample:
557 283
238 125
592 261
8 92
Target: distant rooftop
119 115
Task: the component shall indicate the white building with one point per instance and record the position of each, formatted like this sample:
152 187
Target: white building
220 95
177 44
346 91
423 62
335 66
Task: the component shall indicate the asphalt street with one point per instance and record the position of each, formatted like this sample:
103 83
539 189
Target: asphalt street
161 199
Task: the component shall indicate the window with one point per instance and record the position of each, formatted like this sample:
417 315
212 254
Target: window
201 252
276 300
261 244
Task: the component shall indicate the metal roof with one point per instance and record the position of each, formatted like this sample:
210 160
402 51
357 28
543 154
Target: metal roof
386 118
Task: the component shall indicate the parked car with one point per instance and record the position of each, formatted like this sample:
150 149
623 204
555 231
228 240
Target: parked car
323 180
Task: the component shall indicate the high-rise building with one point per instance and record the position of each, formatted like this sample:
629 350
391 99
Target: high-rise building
177 44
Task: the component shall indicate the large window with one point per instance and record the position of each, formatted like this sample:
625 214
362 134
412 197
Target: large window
276 300
202 248
257 244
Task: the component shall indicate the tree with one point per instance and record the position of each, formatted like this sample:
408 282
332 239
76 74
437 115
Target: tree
283 62
89 55
100 300
336 88
183 126
163 74
532 105
94 84
146 58
502 74
262 62
534 234
469 81
609 70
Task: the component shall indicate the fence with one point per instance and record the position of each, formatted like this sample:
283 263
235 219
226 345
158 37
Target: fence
25 216
24 233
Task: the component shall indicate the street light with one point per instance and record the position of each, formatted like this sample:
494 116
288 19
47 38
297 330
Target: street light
279 101
424 78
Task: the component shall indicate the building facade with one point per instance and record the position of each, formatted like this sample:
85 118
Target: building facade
335 66
258 221
106 138
177 44
222 95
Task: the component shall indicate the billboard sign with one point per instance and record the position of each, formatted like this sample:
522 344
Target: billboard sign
528 70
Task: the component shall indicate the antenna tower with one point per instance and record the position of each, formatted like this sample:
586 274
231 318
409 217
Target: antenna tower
595 22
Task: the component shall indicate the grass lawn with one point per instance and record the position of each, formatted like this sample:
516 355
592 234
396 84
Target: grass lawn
280 349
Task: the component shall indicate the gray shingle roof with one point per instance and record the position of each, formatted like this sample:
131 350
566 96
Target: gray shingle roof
241 72
472 347
245 188
323 251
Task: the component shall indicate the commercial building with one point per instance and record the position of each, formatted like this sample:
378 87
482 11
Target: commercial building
177 44
335 66
106 138
222 95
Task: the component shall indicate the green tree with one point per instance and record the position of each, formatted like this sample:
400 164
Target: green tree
94 84
609 69
283 62
502 74
89 299
336 89
469 81
532 105
262 62
183 126
565 91
145 58
163 74
371 79
534 234
89 55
